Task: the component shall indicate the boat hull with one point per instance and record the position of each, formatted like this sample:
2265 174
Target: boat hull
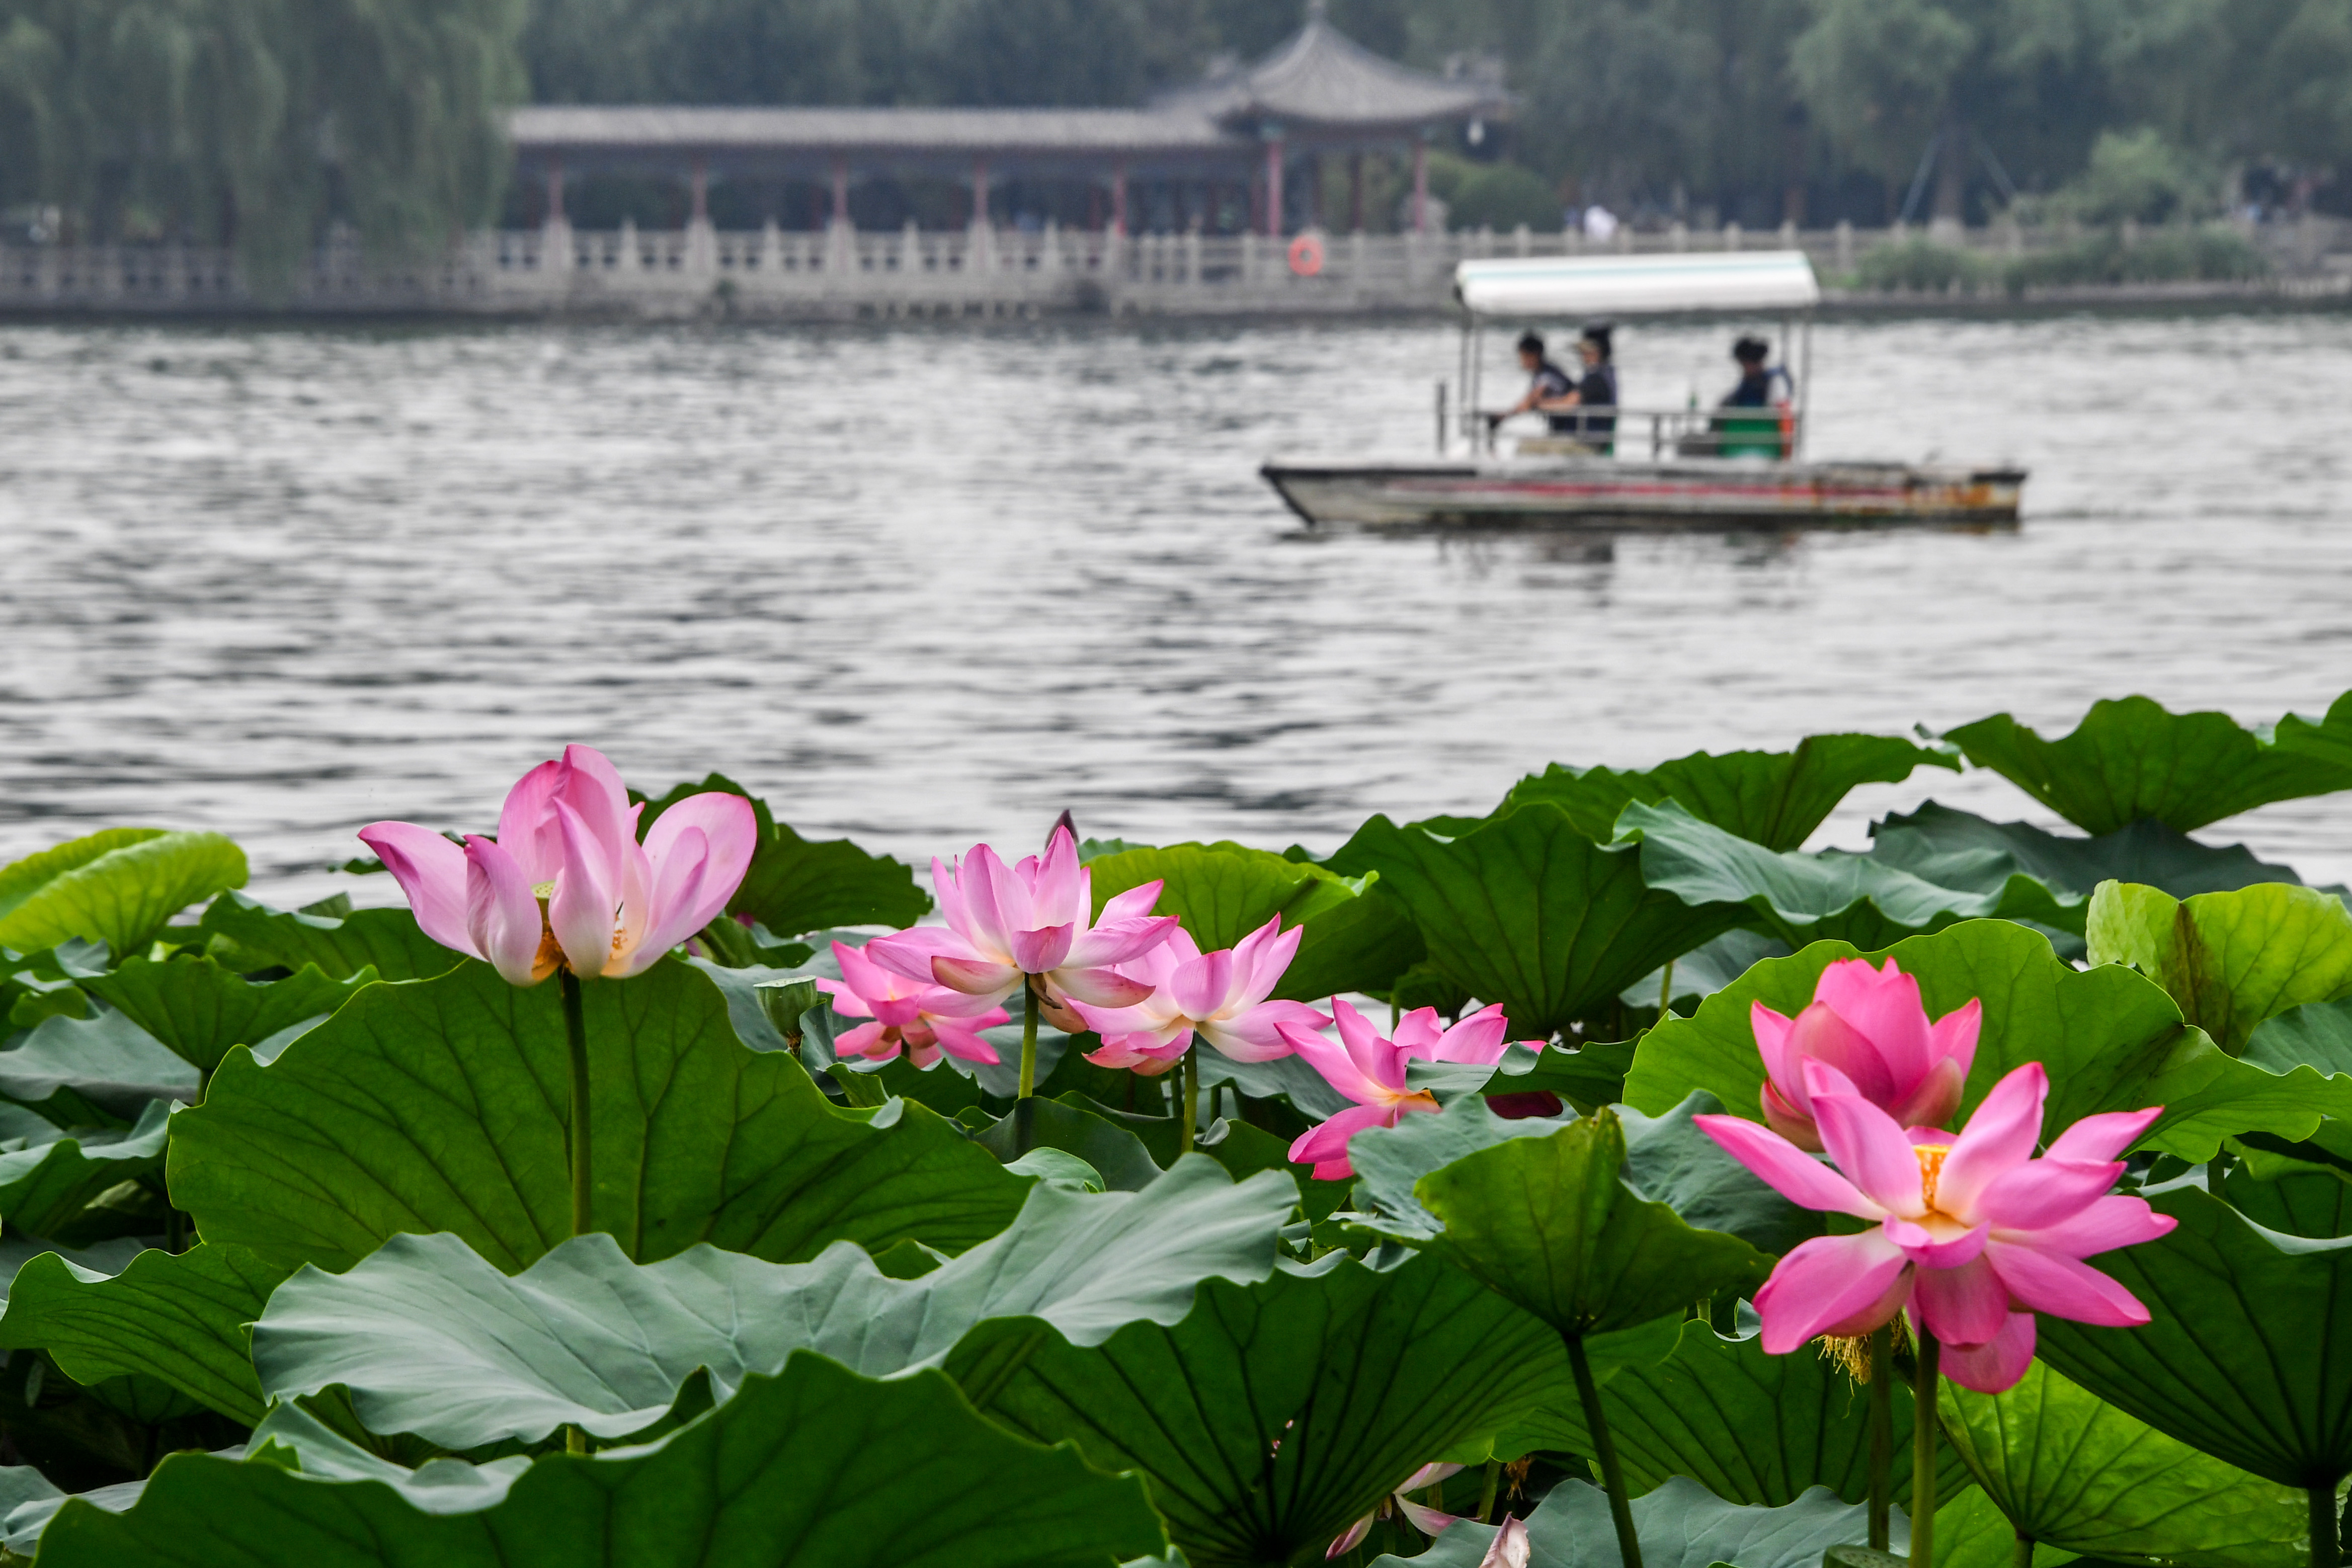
1591 489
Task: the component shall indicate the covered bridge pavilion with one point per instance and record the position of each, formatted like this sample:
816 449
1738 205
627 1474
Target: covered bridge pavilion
1318 94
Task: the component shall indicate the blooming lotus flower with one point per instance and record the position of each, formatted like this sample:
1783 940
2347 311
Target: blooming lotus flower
1426 1519
1372 1072
566 884
1034 918
924 1020
1973 1236
1219 996
1869 1024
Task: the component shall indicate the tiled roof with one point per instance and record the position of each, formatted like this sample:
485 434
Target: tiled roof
547 128
1323 77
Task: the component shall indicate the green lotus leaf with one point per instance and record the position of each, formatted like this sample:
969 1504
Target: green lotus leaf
2067 1469
1667 1160
118 887
1355 939
1586 1076
2231 959
1834 894
48 1182
1972 1532
1705 970
2144 852
2132 760
817 1468
1547 1224
1680 1525
1277 1413
441 1104
2111 1040
2329 740
1527 910
431 1340
198 1009
67 1066
1755 1430
1077 1129
99 1259
1772 798
797 884
2249 1354
2317 1035
247 934
184 1319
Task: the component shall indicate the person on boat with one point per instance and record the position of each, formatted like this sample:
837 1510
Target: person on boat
1548 387
1599 387
1762 386
1759 386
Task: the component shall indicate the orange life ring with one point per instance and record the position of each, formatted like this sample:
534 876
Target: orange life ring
1306 255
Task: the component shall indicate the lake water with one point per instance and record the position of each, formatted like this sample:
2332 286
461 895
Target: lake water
930 584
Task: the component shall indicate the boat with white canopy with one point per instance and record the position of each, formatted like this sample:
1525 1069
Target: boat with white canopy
1656 465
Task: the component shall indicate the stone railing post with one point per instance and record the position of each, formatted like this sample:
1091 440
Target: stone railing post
1678 236
1844 246
1732 235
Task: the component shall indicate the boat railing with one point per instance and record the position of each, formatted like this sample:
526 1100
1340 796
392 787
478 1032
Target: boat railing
1770 433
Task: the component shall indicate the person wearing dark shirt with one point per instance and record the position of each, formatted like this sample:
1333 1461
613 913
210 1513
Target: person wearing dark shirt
1757 383
1597 390
1762 388
1548 387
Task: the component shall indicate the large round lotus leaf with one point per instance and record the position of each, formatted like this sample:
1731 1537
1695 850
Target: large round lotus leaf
246 936
2111 1041
199 1010
2131 759
817 1468
430 1339
2231 960
1681 1525
1525 909
2071 1471
2249 1354
118 887
441 1104
1836 893
1274 1415
796 884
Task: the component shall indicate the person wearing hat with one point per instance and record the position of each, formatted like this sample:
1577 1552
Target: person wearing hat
1757 383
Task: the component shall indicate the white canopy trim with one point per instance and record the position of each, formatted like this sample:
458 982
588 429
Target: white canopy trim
1747 280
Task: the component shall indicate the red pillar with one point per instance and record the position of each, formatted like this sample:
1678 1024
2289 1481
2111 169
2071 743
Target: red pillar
700 183
841 190
1118 197
556 193
1273 185
1420 186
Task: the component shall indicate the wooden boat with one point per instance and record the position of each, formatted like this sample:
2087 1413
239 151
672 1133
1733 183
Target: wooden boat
1701 466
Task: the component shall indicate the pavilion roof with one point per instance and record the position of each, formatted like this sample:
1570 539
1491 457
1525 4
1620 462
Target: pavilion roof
1323 79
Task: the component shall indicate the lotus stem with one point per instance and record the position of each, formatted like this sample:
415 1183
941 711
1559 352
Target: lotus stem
575 1441
575 1033
1666 993
2327 1542
2023 1556
1192 1101
1881 1437
1612 1474
1922 1448
1486 1494
1028 1037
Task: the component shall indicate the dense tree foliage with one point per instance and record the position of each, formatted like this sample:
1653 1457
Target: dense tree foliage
264 120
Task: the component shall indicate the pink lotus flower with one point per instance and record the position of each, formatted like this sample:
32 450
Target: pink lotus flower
1974 1235
925 1019
1869 1024
1510 1548
1372 1072
1219 996
1034 918
1426 1519
566 884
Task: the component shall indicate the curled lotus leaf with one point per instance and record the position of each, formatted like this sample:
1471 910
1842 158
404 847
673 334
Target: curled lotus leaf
431 1340
813 1468
117 887
2231 960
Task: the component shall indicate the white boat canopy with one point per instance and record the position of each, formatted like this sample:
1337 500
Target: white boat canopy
1738 281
